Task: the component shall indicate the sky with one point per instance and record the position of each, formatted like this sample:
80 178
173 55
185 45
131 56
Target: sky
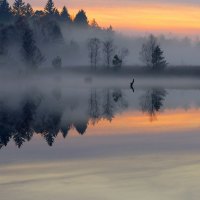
180 17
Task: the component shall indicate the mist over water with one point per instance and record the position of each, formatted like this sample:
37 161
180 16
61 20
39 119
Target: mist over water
78 133
55 104
88 113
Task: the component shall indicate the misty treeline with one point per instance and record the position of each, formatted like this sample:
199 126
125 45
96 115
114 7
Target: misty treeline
34 39
31 38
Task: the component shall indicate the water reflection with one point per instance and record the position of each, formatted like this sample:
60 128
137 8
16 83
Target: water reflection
56 112
34 115
152 101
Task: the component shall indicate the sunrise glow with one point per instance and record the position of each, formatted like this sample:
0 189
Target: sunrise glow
181 19
135 122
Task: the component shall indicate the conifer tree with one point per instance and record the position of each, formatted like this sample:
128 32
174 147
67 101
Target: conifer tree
81 19
29 10
65 16
19 8
5 11
152 55
49 8
30 51
158 60
94 24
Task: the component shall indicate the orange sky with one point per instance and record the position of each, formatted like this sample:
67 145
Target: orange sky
173 18
131 16
145 18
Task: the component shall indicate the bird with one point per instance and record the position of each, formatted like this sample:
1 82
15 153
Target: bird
131 84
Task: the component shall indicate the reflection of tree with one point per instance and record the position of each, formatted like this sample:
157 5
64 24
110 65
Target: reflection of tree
48 125
65 129
117 95
94 110
36 114
119 100
108 108
81 126
152 102
18 123
6 125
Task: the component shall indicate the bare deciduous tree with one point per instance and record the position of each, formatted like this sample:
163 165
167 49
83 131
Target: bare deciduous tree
94 107
148 49
108 52
94 45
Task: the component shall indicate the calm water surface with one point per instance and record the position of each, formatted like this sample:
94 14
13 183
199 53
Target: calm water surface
100 143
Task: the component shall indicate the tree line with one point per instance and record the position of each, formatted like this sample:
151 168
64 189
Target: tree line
151 54
107 51
32 30
20 8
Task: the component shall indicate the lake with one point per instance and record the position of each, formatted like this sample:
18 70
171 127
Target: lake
85 140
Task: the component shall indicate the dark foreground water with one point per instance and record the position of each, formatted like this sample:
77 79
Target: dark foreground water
98 143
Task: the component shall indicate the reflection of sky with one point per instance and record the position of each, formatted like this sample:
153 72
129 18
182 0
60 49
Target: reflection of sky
141 167
137 123
128 158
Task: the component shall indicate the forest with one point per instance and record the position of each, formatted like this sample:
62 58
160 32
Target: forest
53 39
26 35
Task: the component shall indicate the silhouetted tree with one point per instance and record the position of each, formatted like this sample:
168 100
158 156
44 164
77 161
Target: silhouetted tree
39 13
29 10
94 45
94 24
81 19
117 62
30 51
5 11
65 16
152 55
56 14
110 31
108 51
49 8
48 31
19 8
158 59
